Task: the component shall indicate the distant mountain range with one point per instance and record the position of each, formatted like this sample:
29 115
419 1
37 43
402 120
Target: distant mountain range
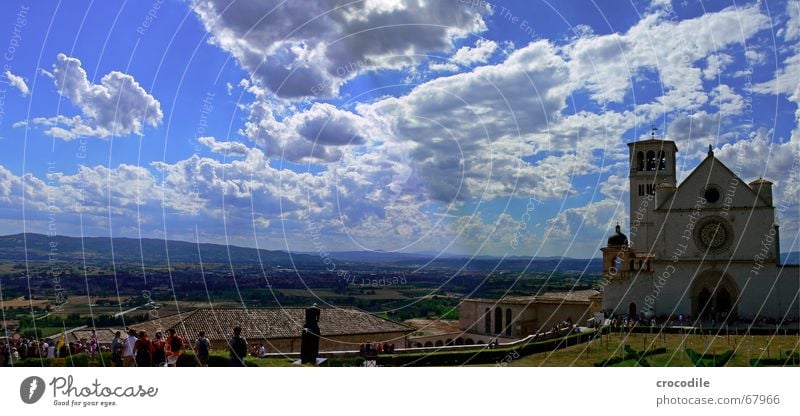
155 251
379 256
13 248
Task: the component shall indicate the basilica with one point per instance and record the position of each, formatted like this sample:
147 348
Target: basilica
705 249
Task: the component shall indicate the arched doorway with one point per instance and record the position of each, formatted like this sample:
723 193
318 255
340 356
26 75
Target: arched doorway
632 310
706 308
498 320
724 302
714 296
509 317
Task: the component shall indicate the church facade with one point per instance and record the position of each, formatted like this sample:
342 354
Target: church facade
706 249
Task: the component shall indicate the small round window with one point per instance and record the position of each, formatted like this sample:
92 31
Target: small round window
712 195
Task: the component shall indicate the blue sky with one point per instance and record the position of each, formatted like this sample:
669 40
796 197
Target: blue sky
455 126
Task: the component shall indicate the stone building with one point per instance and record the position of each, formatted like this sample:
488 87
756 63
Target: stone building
519 316
707 248
342 329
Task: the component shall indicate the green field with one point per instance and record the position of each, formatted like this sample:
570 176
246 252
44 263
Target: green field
371 294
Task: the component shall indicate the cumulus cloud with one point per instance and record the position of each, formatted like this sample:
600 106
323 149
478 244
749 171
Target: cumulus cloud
606 64
693 133
117 106
470 131
478 54
303 49
313 135
581 229
17 82
224 148
716 64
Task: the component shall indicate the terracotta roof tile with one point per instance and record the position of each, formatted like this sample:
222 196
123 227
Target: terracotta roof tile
256 323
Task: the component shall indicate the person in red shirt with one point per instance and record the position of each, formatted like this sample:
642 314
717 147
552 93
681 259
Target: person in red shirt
159 350
144 350
174 348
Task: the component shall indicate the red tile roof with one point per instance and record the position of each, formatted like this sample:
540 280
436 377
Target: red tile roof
269 323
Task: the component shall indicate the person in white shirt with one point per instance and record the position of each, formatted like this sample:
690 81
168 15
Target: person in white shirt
128 359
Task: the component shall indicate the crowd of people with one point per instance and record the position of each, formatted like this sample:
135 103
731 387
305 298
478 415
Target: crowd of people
137 349
371 349
30 347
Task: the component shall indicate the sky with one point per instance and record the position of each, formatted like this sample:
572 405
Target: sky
460 127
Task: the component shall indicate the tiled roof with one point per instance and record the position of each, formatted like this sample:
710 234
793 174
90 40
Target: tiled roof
433 326
554 297
574 296
269 323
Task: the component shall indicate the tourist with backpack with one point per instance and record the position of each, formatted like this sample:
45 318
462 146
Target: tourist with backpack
202 348
238 346
175 348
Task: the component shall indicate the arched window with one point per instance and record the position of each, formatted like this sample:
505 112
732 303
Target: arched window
508 322
498 320
439 343
487 321
662 161
640 161
428 344
613 268
651 160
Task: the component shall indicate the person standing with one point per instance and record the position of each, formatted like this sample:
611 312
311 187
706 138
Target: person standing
202 348
159 350
51 349
116 350
175 347
144 350
129 349
238 346
92 347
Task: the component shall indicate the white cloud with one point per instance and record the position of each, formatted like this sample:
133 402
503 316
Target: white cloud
117 106
606 64
716 64
443 67
17 82
583 229
302 49
729 102
693 133
230 149
313 135
478 54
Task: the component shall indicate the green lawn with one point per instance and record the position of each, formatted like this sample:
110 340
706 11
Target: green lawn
587 354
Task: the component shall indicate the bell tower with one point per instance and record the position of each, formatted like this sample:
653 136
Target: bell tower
652 162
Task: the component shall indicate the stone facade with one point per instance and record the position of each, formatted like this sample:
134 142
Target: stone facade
518 317
705 249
